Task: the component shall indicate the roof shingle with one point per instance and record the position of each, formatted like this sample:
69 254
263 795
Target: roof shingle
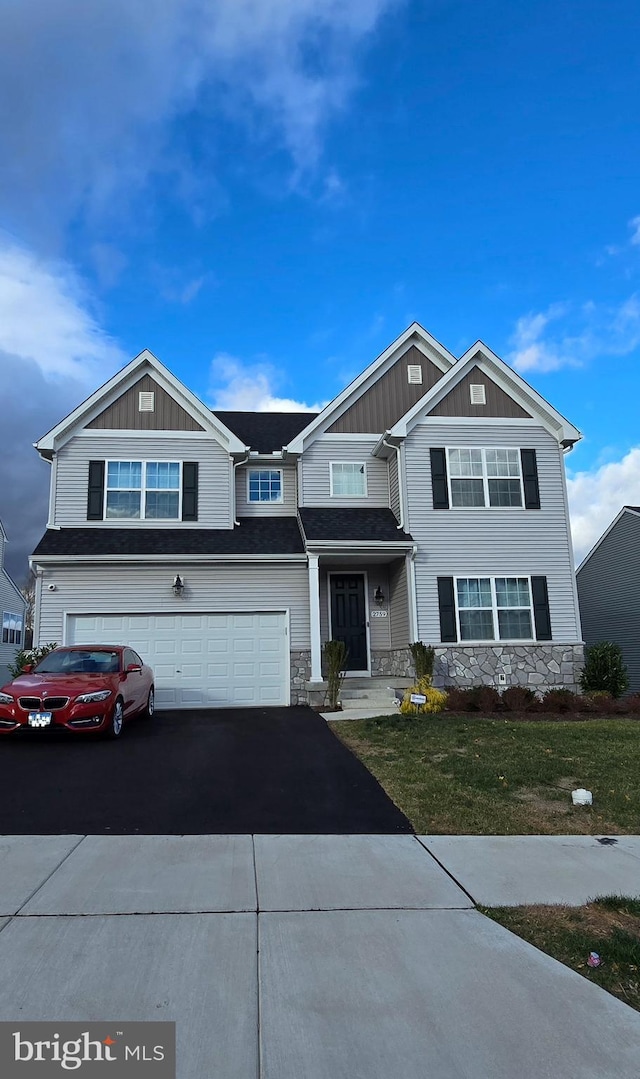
352 524
265 431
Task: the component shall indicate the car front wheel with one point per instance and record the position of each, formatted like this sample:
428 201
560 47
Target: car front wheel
150 705
114 728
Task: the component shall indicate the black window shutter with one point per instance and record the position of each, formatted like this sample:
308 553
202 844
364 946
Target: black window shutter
541 614
448 629
439 479
190 491
530 479
95 496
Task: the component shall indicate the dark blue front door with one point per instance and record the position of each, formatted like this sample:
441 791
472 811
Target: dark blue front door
348 618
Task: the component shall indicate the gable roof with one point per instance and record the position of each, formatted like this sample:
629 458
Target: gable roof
414 335
118 384
634 510
265 432
479 355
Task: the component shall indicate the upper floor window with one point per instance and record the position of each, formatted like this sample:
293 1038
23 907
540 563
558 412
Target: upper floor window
348 479
143 490
11 628
485 477
264 485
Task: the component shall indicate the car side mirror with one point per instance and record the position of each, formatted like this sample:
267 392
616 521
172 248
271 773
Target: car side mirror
133 667
27 669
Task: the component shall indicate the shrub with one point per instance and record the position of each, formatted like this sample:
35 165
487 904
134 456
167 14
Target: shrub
423 659
29 655
633 704
604 669
335 658
519 699
435 699
485 699
459 700
560 700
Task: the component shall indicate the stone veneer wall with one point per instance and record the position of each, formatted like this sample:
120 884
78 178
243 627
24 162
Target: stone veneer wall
300 674
396 662
538 666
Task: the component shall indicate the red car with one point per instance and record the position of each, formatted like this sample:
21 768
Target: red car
83 688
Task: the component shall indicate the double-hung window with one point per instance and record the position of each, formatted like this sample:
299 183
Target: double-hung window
143 490
348 479
11 628
485 477
494 608
264 485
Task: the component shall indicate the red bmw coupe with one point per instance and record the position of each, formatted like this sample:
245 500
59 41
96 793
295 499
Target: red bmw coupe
83 688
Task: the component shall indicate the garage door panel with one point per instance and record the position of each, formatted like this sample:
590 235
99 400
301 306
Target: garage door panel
201 660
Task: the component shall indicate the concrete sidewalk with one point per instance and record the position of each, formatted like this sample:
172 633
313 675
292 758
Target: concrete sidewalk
315 956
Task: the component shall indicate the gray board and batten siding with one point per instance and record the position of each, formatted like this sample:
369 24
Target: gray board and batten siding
128 589
609 593
498 403
287 508
389 398
314 473
493 541
125 415
72 476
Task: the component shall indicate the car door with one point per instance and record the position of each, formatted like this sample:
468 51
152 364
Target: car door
134 691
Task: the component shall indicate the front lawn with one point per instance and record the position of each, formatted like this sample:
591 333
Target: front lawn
455 775
609 926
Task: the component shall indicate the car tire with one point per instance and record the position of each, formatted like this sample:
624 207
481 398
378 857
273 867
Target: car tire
150 706
116 722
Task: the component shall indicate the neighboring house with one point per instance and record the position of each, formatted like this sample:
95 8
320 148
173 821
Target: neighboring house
12 610
609 590
426 502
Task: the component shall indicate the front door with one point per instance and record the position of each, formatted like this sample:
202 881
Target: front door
348 618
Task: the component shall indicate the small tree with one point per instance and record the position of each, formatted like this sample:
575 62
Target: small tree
335 658
423 659
604 670
29 655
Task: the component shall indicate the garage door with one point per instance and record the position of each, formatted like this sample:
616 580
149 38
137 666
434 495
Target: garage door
201 660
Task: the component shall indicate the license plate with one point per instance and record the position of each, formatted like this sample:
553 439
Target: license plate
40 719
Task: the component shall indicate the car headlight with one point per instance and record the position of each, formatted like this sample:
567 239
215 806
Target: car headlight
93 698
5 698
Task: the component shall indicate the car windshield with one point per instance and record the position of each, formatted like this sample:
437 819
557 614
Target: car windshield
79 661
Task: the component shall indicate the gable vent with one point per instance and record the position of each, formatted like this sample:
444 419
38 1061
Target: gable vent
414 374
478 395
146 401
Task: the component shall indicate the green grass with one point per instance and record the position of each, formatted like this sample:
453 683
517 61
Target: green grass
609 926
461 775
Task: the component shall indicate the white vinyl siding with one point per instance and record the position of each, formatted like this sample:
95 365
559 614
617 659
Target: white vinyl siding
129 589
315 488
494 541
72 477
399 627
394 486
286 508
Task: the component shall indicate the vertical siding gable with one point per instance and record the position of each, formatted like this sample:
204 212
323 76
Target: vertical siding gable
389 398
499 404
124 415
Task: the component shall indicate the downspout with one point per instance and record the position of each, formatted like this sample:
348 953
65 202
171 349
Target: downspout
413 597
236 464
390 446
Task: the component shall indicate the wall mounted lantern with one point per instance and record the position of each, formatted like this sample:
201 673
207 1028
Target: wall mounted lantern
178 585
378 596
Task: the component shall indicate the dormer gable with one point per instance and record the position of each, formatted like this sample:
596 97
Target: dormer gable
126 399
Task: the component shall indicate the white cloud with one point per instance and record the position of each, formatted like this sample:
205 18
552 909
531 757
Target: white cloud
249 387
596 498
581 334
89 91
634 225
53 352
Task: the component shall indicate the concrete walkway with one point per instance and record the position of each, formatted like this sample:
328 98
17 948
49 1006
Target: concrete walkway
328 957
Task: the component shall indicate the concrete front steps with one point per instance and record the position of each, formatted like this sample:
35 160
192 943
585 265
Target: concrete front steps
378 693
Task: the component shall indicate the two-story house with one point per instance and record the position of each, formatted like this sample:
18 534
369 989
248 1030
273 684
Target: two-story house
427 502
12 611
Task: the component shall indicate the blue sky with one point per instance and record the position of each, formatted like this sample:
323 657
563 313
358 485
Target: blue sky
266 192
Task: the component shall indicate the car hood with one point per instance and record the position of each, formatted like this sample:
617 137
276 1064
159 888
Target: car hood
59 685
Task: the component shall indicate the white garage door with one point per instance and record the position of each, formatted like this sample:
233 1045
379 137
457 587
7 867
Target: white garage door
201 660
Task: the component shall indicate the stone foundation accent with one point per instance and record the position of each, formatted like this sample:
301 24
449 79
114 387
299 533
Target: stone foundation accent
392 662
539 666
300 674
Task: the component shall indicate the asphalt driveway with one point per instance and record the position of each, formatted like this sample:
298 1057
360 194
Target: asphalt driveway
228 771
